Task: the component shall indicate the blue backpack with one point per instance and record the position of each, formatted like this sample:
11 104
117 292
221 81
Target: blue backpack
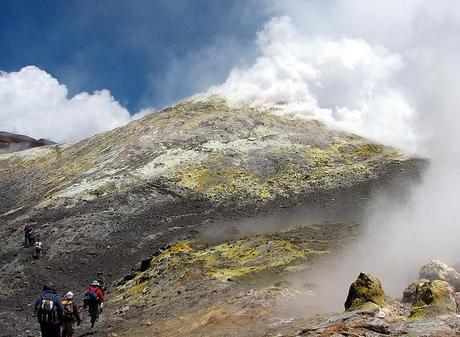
90 298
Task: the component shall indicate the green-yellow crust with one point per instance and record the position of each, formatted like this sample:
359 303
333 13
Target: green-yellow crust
201 148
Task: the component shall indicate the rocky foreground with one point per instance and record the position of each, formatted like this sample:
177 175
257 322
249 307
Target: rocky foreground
238 287
245 287
428 307
193 177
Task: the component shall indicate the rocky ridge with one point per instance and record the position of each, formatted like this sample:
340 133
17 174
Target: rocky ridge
11 142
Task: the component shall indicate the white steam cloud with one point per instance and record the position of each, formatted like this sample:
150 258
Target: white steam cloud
409 56
345 82
34 103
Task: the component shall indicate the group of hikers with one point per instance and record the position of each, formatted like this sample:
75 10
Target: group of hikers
58 317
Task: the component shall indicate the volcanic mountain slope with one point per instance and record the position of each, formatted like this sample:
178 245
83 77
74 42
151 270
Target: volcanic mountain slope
198 149
110 200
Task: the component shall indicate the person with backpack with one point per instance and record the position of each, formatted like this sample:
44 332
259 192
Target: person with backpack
102 282
29 236
31 239
27 232
93 300
70 315
48 310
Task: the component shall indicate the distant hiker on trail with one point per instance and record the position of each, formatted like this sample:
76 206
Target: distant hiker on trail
29 236
27 230
101 280
94 301
48 309
31 239
38 251
70 315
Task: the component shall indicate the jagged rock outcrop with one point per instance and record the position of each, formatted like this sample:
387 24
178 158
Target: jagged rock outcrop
433 312
437 270
433 298
411 292
434 295
365 293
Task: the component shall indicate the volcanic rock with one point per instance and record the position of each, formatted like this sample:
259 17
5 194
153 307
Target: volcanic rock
437 270
364 293
433 298
211 287
411 292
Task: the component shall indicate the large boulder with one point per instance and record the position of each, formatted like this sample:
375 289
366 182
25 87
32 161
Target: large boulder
432 299
436 270
410 293
364 292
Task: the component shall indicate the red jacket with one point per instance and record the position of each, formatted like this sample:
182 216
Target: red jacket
98 292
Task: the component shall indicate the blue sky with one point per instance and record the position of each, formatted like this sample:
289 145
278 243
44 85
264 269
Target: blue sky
147 53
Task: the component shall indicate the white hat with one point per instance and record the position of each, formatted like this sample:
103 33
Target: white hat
95 283
69 295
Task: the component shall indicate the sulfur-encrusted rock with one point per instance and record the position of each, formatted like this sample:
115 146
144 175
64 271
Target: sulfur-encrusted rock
365 290
410 293
457 300
437 270
432 299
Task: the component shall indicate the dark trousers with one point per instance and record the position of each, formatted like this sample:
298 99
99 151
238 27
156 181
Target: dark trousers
93 311
67 329
50 330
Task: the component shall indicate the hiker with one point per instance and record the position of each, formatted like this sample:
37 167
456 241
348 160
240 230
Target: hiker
29 236
101 280
48 309
94 301
70 315
37 250
31 239
27 230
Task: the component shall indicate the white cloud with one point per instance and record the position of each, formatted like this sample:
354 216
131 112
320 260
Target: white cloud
346 82
416 96
34 103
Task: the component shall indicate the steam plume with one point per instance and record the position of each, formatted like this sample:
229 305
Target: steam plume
346 82
420 86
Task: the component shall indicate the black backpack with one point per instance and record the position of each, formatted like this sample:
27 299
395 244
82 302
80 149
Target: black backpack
47 310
